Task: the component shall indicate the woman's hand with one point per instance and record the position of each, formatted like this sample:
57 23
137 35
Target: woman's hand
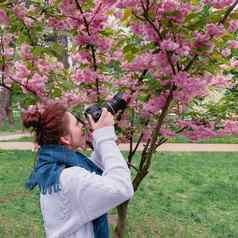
105 120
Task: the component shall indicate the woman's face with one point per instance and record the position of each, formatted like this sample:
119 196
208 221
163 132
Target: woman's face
75 137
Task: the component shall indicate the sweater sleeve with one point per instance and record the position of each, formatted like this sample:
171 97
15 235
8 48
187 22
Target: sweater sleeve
97 194
97 136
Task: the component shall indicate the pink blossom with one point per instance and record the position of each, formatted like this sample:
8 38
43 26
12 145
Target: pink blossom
7 39
142 62
147 134
169 45
221 81
21 71
234 63
68 7
20 11
72 99
37 84
233 26
26 51
104 45
124 123
51 2
185 50
230 128
219 4
189 87
58 66
137 28
201 40
178 10
215 30
167 133
57 24
3 17
85 76
226 52
43 66
233 44
125 81
117 55
196 131
8 52
98 22
28 21
156 103
126 3
83 39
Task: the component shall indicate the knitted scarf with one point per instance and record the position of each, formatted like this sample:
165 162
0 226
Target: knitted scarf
52 159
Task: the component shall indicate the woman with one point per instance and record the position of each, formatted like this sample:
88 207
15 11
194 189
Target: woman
76 192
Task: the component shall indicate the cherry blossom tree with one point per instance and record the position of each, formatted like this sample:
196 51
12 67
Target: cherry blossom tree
173 60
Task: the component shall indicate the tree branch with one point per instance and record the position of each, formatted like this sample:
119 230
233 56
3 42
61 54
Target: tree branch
228 12
93 50
222 21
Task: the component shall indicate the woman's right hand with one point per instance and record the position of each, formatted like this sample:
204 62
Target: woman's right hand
105 120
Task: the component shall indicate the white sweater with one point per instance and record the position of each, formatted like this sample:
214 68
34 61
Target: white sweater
85 195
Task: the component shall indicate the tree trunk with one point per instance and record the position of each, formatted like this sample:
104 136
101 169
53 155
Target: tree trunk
9 108
121 220
6 106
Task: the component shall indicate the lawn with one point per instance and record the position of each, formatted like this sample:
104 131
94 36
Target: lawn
186 195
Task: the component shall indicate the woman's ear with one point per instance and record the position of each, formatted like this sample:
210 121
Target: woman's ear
65 140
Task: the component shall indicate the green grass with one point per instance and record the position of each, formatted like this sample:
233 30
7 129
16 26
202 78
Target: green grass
214 140
186 195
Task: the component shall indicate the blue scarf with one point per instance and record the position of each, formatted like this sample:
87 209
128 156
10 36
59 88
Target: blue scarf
52 159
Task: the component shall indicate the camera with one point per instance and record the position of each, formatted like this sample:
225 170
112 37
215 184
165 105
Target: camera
114 105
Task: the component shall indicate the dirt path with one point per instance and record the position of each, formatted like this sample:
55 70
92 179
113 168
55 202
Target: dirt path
5 136
125 147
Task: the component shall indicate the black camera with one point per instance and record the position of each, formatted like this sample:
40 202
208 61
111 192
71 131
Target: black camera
114 105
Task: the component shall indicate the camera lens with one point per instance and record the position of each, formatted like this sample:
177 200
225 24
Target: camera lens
114 105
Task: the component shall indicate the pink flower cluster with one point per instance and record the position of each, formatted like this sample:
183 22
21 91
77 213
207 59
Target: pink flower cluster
233 44
126 3
202 40
215 30
21 71
21 13
146 31
82 57
85 76
219 4
37 84
25 51
154 105
233 26
4 20
58 24
142 62
230 128
72 98
167 133
189 87
174 10
221 81
196 130
98 41
169 45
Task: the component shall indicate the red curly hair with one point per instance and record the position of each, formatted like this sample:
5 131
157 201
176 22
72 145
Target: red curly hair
48 125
